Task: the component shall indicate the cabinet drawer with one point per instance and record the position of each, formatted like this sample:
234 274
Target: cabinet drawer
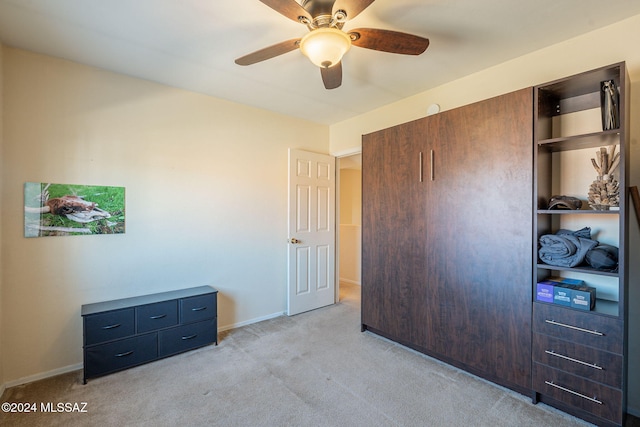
182 338
585 328
587 362
160 315
108 326
598 399
113 356
198 308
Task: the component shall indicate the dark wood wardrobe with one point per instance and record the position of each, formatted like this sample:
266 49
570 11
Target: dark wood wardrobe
446 236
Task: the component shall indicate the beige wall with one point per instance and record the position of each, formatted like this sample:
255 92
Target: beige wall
350 196
599 48
206 201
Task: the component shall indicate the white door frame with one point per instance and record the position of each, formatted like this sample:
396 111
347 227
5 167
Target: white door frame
339 156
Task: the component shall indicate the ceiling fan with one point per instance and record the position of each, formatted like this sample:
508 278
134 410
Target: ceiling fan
326 42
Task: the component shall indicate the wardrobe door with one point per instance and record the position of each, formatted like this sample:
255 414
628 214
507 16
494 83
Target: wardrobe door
479 247
393 226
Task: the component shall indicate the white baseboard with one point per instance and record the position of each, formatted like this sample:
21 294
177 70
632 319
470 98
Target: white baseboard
353 282
41 376
249 322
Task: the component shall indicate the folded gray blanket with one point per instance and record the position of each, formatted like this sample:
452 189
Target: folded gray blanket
566 248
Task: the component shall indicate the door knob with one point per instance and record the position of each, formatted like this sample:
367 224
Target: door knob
294 241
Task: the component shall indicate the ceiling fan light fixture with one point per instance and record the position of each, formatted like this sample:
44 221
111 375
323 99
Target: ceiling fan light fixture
325 46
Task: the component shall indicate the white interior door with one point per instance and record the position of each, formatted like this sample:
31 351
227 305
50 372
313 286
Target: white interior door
312 234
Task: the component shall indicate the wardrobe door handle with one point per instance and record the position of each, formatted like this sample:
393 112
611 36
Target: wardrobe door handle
420 171
432 165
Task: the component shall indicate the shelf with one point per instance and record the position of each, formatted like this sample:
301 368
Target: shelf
606 307
577 142
576 212
581 84
579 269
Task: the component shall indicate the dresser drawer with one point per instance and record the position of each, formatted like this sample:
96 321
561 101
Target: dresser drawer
105 358
182 338
156 316
587 362
198 308
598 399
584 328
108 326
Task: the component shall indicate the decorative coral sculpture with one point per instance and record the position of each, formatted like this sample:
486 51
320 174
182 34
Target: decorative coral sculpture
604 192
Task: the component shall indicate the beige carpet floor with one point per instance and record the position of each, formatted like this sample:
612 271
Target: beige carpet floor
313 369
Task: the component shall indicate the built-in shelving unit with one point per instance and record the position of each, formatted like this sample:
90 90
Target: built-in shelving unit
579 357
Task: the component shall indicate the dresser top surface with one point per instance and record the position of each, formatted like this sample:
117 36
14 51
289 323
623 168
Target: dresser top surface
99 307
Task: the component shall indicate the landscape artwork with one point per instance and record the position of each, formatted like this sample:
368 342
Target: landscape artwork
68 209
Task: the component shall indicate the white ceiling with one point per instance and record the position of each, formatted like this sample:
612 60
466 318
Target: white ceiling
192 44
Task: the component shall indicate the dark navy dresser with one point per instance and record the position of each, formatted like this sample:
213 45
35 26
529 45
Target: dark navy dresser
123 333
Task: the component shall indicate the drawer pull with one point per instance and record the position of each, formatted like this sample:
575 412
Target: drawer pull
159 316
199 308
553 322
189 337
127 353
591 399
111 326
591 365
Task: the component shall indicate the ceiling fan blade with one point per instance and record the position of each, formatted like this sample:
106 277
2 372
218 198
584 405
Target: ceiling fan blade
332 76
269 52
389 41
352 7
289 8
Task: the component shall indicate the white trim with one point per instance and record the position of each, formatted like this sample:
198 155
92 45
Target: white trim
43 375
249 322
336 219
348 152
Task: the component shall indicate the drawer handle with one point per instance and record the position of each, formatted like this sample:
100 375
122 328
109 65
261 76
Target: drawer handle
591 365
591 399
189 337
199 308
111 326
553 322
127 353
159 316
